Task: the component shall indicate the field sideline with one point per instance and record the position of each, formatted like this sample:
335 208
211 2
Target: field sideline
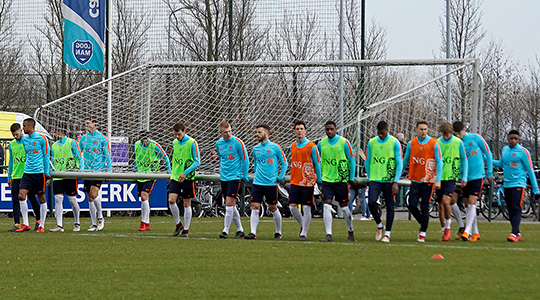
121 262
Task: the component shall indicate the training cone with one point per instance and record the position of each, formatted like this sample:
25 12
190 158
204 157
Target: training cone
437 256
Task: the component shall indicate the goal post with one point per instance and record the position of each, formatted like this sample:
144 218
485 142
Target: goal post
156 95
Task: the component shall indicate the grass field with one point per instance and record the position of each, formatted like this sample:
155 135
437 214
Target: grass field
122 263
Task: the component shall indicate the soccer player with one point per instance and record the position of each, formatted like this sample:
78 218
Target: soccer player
305 173
66 156
148 153
454 169
516 163
475 148
96 153
425 169
36 169
184 161
384 167
234 165
337 167
266 156
17 158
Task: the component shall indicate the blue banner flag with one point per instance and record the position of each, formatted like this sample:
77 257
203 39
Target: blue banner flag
84 33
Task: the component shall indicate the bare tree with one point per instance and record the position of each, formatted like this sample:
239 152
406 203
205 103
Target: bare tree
532 108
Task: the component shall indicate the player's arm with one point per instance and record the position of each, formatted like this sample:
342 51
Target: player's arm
526 160
399 160
242 152
10 163
349 153
195 156
407 156
254 160
439 160
367 162
161 154
487 153
463 162
107 152
316 159
46 156
283 160
76 152
135 160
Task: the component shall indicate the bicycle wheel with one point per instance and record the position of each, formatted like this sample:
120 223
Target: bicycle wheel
526 210
433 208
484 207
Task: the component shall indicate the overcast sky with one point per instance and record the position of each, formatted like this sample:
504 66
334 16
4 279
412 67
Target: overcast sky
413 29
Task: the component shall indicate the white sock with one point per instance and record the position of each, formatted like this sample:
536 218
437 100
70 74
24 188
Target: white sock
422 233
97 203
475 224
296 214
387 233
306 220
188 212
58 208
76 209
92 212
447 223
327 218
442 229
24 212
254 220
43 211
457 214
348 217
145 211
380 225
236 220
175 213
229 216
471 214
277 220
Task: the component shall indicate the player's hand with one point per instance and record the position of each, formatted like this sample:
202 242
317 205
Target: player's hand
182 177
214 155
9 182
490 179
463 183
48 183
437 185
48 177
282 182
395 188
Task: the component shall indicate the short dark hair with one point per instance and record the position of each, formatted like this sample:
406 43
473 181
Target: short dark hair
299 122
458 126
14 127
263 126
513 131
382 125
330 123
31 121
179 127
420 122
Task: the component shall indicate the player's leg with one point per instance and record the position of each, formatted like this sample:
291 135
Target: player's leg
229 191
256 200
236 215
514 198
390 212
145 211
341 193
457 213
188 192
93 216
94 190
16 204
473 190
295 197
174 190
39 181
307 203
374 191
328 195
72 189
425 194
15 191
271 194
58 192
414 196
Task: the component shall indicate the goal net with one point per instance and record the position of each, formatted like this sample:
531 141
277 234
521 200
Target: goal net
201 95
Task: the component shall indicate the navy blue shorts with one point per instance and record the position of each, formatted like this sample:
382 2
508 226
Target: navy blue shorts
270 193
145 186
338 191
447 188
65 186
34 183
89 183
230 188
473 188
185 188
301 195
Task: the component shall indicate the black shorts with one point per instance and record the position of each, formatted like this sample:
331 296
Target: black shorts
301 195
65 186
338 191
145 186
185 188
270 193
447 188
34 183
473 188
230 188
89 183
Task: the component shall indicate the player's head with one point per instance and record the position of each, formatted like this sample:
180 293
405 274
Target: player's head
29 125
179 130
382 129
446 130
60 131
263 131
421 128
16 131
225 130
299 130
459 129
401 137
330 129
513 138
90 125
144 137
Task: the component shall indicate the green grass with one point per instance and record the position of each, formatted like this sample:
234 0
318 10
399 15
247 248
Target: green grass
120 262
